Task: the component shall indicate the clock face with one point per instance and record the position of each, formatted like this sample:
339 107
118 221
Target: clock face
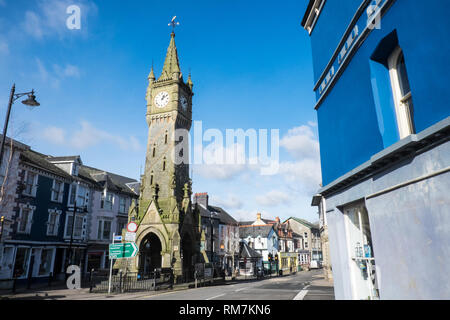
162 99
184 103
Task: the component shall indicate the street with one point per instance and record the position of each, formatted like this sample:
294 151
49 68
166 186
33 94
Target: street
296 287
305 285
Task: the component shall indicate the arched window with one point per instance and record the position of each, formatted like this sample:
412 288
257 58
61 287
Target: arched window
154 150
164 164
151 179
402 93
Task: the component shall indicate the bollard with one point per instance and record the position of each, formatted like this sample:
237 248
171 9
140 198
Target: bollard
14 285
90 281
120 281
50 278
154 280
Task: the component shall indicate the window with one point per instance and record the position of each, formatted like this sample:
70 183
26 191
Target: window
359 243
164 164
4 167
25 219
165 139
30 182
122 205
22 261
104 230
306 244
77 228
46 262
401 92
107 201
6 259
80 194
57 191
154 151
120 226
53 222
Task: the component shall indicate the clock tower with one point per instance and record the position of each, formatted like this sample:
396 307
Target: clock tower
168 234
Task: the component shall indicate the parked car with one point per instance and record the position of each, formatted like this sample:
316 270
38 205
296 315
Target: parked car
314 264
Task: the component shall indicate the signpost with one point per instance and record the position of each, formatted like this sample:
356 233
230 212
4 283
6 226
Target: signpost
130 237
120 251
123 250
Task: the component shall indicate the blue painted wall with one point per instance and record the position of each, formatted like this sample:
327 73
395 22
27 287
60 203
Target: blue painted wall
355 123
43 203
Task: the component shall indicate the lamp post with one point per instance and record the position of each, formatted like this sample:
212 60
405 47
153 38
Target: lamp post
212 239
75 210
31 101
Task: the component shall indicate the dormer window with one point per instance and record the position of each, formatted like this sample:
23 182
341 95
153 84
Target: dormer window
74 169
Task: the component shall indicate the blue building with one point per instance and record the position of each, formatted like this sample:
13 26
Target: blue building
383 104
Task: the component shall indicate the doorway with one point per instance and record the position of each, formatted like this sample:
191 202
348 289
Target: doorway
150 255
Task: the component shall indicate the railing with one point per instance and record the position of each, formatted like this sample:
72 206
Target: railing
130 282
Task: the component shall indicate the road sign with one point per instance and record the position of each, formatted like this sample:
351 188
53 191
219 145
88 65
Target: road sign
117 238
130 236
122 250
132 227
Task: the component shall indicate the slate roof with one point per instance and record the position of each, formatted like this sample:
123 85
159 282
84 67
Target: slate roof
40 161
246 252
304 222
66 158
218 213
254 231
96 177
112 181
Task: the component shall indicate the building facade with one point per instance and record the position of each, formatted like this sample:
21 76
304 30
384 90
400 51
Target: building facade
220 235
380 70
311 246
52 218
261 236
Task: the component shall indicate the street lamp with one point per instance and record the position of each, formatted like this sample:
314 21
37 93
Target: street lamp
31 101
75 211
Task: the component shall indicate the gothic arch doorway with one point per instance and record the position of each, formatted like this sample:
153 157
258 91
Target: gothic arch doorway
150 254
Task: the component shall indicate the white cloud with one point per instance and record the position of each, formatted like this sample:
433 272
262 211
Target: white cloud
54 135
33 25
69 71
57 74
274 198
301 143
4 47
88 136
217 165
50 17
306 173
230 202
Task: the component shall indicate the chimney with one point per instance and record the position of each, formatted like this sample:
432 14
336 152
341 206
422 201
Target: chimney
258 216
201 198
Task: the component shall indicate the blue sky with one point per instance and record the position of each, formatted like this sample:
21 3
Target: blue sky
250 63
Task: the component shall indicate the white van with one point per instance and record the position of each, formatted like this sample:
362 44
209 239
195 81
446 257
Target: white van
314 264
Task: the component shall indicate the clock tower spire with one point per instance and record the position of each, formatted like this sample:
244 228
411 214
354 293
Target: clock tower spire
165 215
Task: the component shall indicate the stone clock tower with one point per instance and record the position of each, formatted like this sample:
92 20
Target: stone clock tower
168 232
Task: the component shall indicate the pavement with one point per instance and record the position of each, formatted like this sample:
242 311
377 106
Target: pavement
304 285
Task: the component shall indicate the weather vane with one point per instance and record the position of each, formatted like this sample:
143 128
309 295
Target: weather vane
174 23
